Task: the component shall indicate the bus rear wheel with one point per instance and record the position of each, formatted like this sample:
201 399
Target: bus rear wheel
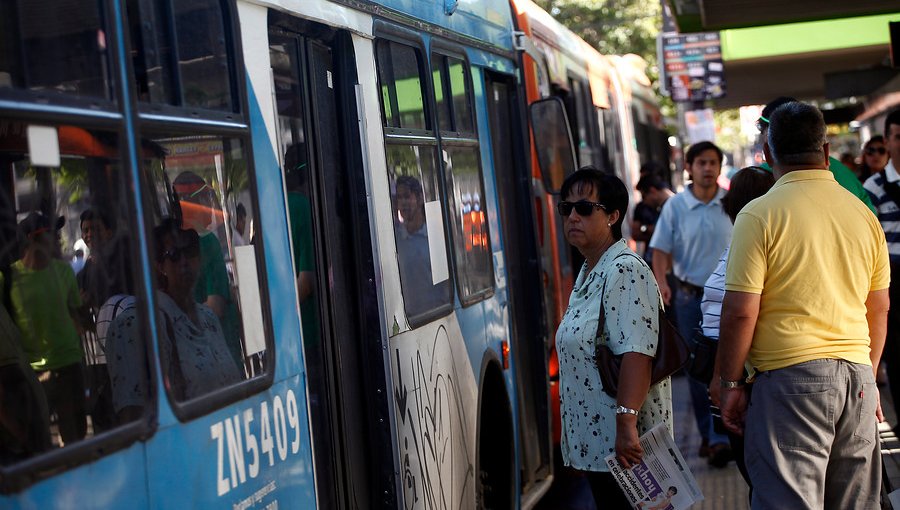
495 483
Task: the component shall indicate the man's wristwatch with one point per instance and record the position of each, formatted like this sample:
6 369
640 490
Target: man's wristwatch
625 410
730 385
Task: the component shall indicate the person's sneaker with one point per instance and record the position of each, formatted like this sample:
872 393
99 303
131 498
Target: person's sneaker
704 449
720 455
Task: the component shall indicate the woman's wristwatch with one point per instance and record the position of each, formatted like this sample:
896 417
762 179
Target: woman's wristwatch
625 410
730 385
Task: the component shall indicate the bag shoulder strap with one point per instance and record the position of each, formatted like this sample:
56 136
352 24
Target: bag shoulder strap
602 320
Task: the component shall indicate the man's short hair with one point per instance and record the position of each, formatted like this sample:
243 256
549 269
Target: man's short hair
762 123
892 118
650 181
699 148
772 105
411 183
101 215
797 134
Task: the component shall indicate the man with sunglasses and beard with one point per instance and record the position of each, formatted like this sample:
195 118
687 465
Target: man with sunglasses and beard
691 234
884 189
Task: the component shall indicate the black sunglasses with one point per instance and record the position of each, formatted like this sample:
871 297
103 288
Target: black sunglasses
873 150
190 247
582 207
175 254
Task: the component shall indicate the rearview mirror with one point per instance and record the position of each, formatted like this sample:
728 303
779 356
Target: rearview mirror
553 141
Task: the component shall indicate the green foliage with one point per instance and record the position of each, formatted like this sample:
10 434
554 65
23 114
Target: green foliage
728 129
615 27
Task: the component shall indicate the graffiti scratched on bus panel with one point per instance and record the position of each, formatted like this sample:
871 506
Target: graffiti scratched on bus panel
434 443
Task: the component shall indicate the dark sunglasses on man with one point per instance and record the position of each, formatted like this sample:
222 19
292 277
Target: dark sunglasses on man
871 151
582 207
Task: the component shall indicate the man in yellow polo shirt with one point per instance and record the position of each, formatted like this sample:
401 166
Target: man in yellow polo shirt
806 308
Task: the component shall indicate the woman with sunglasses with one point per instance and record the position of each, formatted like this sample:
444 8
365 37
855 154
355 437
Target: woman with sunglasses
194 353
594 424
874 158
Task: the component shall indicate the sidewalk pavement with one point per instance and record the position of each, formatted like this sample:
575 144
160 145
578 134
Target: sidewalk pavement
723 489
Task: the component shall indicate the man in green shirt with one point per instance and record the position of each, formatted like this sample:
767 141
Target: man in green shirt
47 308
843 175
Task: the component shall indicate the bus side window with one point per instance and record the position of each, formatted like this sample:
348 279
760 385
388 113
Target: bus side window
67 56
209 316
206 269
472 249
68 286
411 150
196 71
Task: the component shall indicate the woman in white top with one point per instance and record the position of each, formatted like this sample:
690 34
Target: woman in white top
747 185
594 424
195 357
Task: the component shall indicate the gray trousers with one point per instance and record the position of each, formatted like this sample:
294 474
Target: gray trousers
812 437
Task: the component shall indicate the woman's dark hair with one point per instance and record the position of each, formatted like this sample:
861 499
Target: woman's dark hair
863 168
748 184
876 138
166 228
170 227
610 191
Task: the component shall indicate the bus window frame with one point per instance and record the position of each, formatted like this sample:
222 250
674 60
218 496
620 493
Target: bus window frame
237 88
206 122
18 476
456 138
386 31
187 410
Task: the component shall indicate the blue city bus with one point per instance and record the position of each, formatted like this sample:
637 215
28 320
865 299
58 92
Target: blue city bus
262 254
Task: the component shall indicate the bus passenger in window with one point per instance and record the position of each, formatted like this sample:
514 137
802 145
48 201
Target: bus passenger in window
194 353
240 223
296 173
419 291
106 273
47 308
202 213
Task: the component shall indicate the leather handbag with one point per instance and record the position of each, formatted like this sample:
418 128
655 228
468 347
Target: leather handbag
671 351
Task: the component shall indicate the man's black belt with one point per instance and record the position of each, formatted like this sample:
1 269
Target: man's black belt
689 288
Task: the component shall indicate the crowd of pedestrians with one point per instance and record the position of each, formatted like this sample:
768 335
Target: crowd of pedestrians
789 273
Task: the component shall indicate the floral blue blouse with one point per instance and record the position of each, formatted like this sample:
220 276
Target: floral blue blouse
632 316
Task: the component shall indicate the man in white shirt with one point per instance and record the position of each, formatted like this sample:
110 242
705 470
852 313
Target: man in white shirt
884 190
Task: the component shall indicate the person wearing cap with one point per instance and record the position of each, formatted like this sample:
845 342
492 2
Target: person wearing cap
884 188
690 235
843 175
47 308
806 302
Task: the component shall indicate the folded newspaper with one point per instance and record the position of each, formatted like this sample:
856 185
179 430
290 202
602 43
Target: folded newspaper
662 480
